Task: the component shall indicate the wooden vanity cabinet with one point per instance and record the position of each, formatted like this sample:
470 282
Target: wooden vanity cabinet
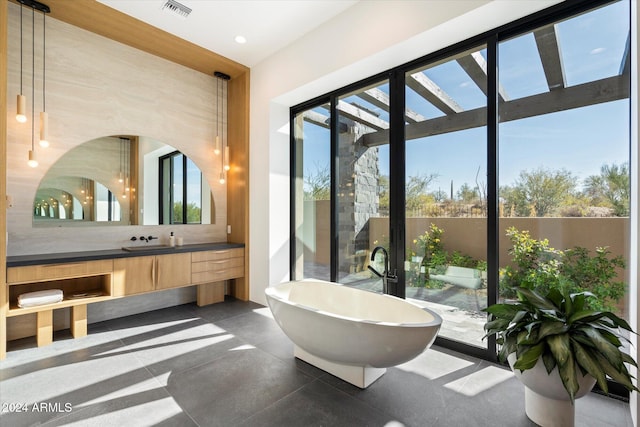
211 269
90 281
133 275
173 271
142 274
80 282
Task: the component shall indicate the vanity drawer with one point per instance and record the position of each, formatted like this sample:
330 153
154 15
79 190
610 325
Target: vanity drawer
217 255
222 264
217 275
47 272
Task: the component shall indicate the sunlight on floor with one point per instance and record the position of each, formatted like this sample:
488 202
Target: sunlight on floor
480 381
153 413
140 387
242 347
266 312
434 364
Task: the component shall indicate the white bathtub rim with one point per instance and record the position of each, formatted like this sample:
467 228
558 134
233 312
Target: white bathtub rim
437 319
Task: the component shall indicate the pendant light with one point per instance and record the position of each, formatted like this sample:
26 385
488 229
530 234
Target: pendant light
21 113
44 117
21 116
222 146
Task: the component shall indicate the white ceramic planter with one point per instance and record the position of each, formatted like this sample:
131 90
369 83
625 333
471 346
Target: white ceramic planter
546 401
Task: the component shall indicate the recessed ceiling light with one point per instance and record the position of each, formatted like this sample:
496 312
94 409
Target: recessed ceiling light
240 39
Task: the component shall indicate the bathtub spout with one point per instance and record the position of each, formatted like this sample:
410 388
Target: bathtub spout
385 275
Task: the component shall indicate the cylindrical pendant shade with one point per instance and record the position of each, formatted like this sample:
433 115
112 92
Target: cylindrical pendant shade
21 109
44 129
32 159
222 180
226 158
216 150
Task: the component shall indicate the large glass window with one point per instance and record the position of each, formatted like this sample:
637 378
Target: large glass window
496 163
312 194
564 157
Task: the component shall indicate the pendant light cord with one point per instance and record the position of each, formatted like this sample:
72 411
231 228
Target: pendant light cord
33 74
44 59
21 49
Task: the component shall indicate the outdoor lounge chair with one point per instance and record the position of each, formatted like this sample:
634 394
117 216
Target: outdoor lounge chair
461 276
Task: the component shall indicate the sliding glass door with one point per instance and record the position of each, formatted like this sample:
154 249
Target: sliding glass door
446 191
362 183
311 198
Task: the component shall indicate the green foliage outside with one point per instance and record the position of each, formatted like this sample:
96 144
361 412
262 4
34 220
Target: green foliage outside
432 258
194 213
539 267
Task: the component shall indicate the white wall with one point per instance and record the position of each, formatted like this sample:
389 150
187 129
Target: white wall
369 37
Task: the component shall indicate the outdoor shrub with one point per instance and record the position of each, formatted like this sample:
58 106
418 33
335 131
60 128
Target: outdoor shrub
434 259
539 267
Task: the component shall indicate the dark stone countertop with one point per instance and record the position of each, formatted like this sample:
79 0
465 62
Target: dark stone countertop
64 257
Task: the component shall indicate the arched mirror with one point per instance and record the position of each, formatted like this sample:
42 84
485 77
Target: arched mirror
123 180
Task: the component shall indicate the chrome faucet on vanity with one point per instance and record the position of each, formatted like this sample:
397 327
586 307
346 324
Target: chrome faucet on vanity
385 276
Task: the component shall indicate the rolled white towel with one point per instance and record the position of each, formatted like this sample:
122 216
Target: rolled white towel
32 299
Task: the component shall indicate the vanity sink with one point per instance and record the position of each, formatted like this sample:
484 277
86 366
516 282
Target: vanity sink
146 248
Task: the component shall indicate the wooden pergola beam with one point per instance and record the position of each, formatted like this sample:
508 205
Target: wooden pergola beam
316 118
380 99
476 68
433 93
549 51
361 116
592 93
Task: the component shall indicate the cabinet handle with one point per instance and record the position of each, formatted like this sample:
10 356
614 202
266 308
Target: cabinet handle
69 265
153 272
157 272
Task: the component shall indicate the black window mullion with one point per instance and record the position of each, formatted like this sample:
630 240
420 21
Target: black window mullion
293 241
492 181
184 189
334 124
397 171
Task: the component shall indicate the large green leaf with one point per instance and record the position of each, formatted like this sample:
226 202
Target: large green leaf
560 348
504 311
588 361
555 296
496 325
605 348
622 376
628 359
578 302
537 301
529 357
619 322
569 376
549 361
552 328
585 315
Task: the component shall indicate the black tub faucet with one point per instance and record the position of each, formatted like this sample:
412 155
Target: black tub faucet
385 276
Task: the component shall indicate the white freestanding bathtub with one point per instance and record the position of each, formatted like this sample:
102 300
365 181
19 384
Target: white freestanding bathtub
350 333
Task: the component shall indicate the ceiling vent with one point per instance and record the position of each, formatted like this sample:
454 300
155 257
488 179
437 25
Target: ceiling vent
176 8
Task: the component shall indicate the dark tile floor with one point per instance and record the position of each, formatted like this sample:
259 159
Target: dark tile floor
230 365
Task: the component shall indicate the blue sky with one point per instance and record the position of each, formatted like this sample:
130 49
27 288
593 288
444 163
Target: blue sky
579 140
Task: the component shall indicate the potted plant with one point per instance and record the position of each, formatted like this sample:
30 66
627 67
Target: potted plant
559 348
